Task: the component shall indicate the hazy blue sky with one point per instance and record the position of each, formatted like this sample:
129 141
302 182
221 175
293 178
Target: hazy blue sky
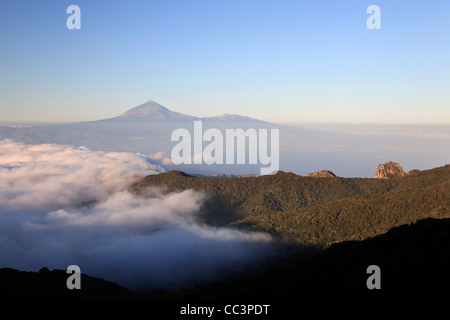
282 61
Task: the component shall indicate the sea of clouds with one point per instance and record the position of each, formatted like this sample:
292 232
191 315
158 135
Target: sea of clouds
62 205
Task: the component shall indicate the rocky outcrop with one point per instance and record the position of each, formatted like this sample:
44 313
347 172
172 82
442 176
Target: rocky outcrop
321 174
389 170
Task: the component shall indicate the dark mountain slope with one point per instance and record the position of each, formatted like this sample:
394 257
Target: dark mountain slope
414 261
45 285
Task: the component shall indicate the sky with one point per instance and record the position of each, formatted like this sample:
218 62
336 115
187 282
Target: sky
281 61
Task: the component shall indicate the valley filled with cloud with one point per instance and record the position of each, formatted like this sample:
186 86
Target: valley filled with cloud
62 205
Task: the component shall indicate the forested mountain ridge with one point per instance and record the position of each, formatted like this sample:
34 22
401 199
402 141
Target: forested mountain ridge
315 210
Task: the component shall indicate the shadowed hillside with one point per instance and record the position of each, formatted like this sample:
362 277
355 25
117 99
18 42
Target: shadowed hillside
51 285
414 261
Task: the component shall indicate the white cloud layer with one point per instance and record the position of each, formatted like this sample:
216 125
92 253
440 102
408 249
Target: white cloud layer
61 205
162 157
54 176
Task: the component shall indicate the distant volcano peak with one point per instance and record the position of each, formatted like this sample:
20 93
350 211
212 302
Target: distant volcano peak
152 110
149 108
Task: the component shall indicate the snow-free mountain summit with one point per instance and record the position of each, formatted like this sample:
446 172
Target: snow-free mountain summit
152 110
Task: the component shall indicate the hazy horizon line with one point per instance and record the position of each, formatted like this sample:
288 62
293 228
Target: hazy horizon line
295 124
